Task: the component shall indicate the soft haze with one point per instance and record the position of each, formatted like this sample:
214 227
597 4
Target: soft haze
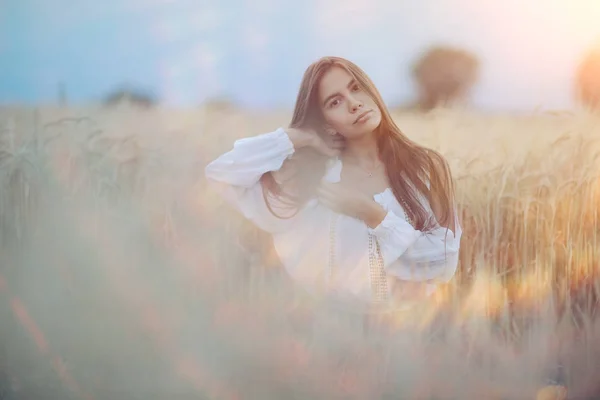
254 51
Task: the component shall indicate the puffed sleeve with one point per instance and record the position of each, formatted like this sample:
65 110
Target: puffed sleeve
412 255
236 175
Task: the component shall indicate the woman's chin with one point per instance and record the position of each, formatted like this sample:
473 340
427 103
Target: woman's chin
363 130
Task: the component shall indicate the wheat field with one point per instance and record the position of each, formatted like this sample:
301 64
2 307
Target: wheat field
122 276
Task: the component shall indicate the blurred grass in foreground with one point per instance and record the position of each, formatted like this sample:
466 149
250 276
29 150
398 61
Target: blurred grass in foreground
123 277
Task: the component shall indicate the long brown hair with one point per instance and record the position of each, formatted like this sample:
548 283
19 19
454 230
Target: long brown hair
411 169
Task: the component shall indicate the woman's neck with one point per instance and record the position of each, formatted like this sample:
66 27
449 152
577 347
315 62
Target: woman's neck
362 151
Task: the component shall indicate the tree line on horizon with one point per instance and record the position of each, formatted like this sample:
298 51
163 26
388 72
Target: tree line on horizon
444 75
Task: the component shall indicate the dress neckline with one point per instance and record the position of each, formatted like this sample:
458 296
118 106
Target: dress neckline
334 175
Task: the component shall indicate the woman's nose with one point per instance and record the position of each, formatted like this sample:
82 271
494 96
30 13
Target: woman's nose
356 105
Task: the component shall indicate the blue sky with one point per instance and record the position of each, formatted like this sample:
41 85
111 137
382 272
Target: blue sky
255 51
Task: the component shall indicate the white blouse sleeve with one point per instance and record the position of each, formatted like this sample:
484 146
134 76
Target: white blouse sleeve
412 255
236 176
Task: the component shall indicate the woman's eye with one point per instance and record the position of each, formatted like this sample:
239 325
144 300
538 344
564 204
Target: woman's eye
356 88
334 103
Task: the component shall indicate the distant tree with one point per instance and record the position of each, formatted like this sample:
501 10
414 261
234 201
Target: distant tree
219 103
587 81
62 94
126 95
444 75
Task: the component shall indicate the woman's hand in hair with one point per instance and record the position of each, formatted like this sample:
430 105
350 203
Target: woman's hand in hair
329 145
333 140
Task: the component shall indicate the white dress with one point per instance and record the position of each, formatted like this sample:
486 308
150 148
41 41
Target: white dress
303 242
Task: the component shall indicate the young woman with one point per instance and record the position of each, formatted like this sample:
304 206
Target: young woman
355 208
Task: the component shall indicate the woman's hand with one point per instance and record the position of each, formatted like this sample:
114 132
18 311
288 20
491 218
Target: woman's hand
329 144
351 202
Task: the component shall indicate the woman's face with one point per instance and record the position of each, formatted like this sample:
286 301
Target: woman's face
346 108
